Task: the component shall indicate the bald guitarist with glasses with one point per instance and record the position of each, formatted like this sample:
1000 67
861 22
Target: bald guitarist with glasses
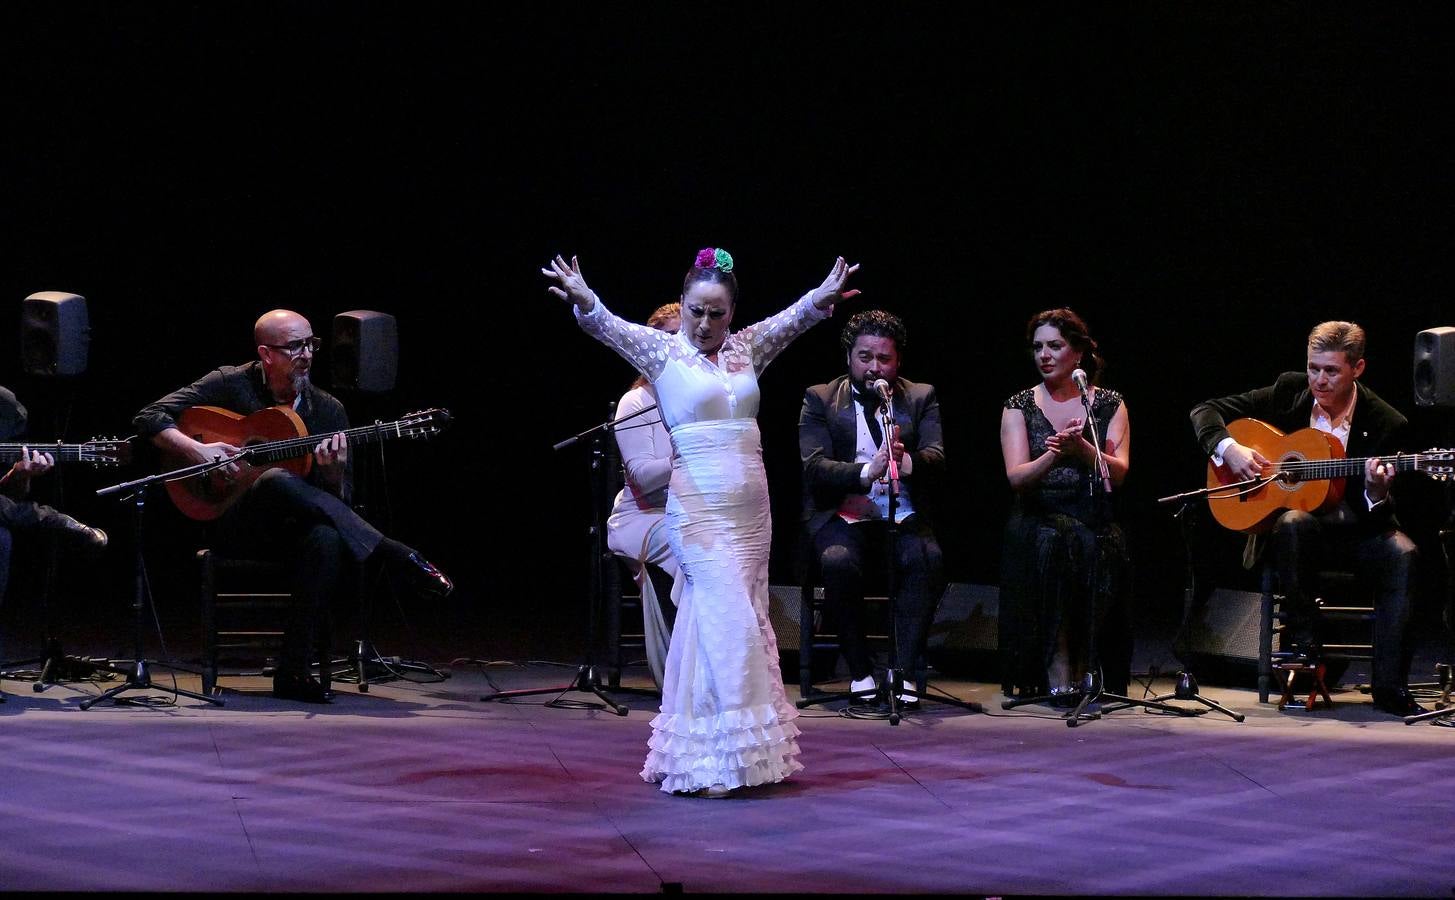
1361 526
298 513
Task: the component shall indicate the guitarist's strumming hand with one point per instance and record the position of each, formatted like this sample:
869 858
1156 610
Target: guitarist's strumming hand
1245 462
195 452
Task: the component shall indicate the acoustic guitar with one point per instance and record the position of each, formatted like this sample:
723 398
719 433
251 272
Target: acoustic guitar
1307 473
273 437
97 451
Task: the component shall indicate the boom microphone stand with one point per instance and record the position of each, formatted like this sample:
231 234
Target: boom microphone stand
138 673
588 679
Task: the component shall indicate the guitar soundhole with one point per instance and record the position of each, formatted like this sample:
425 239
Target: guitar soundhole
1290 479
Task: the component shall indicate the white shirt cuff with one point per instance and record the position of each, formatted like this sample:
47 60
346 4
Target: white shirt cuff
1220 449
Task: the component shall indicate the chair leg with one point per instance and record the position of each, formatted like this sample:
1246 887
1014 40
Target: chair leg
1265 639
209 622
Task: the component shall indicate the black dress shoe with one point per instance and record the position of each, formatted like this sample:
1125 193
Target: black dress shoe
1397 702
304 688
1064 696
425 577
86 536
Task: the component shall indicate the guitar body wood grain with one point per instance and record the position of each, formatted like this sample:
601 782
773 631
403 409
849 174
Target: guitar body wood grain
1256 511
205 497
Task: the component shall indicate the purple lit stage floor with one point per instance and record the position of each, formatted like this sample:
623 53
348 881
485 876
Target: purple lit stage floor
424 788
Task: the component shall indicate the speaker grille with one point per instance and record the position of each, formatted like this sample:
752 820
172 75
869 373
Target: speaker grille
1434 361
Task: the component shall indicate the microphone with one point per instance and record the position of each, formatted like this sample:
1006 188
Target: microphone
1078 376
881 387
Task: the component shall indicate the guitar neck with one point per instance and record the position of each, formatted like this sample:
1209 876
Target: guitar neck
1344 467
290 448
61 452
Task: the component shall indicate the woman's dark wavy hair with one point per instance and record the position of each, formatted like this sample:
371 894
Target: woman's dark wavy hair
875 322
1073 329
712 275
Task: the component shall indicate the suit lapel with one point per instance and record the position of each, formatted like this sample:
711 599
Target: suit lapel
845 423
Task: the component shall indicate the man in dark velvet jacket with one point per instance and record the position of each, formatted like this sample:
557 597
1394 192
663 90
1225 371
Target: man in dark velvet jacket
845 459
1362 528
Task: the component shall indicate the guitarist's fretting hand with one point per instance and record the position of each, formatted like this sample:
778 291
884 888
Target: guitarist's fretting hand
330 457
1245 462
1377 475
30 464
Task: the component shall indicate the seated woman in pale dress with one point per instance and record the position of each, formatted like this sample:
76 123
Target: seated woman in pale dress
636 530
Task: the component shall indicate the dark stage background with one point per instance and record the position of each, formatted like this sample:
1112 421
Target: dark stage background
1202 182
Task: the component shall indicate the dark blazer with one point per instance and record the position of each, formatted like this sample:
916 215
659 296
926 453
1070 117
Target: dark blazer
827 443
1378 429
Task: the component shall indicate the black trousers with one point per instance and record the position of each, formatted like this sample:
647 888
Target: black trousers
320 538
23 515
849 554
1385 562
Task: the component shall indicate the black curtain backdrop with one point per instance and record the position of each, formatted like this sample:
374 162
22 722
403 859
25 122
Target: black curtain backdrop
1203 182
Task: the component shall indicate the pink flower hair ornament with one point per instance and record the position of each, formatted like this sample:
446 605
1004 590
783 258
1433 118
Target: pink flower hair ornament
714 258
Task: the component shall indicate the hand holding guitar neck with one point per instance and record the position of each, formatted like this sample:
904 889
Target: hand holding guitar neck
272 437
1309 467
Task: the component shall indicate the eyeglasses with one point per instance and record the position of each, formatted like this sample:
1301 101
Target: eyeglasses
296 348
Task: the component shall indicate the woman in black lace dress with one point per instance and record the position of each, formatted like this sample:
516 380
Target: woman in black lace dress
1064 564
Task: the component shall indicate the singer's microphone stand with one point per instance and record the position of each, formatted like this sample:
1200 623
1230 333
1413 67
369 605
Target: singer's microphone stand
588 679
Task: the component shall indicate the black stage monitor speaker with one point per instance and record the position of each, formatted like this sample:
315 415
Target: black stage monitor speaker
55 334
365 351
1219 641
1435 367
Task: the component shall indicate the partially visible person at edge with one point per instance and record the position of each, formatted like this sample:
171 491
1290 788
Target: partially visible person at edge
20 514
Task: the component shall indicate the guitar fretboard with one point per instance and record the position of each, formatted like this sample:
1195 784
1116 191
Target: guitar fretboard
1305 469
62 452
289 448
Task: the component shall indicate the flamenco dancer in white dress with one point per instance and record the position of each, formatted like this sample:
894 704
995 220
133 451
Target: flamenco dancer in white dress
725 722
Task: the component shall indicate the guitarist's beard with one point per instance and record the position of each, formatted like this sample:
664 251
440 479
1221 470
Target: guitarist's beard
298 381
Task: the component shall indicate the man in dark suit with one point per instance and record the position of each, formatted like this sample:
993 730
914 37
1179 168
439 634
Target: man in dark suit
1328 396
846 459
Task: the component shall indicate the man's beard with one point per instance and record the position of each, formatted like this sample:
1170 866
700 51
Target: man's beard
298 380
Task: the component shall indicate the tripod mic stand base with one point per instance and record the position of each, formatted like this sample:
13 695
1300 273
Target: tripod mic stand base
138 677
585 682
365 666
889 703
